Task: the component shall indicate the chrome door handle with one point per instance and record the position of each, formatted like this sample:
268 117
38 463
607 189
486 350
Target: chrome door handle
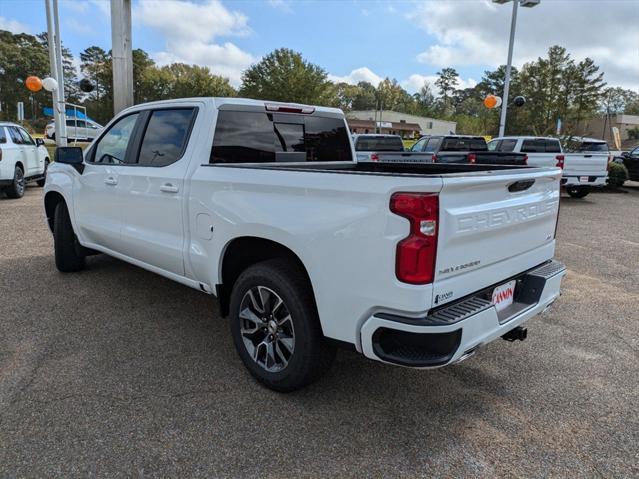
169 188
111 180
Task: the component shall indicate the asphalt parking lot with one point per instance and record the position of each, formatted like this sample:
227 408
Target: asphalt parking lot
118 372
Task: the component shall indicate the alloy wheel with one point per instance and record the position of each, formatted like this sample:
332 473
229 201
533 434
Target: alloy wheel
266 328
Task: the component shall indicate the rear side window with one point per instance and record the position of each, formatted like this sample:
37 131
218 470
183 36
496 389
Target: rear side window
256 137
433 144
380 143
506 146
165 137
16 138
464 144
3 135
26 138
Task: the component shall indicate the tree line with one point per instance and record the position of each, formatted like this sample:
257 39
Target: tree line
556 87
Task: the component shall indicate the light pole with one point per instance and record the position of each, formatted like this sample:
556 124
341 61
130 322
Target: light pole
55 60
513 24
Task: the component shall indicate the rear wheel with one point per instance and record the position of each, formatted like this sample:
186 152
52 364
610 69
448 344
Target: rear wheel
44 175
16 189
578 191
67 258
275 326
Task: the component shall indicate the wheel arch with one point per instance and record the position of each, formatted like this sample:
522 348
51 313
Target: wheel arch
51 201
19 163
245 251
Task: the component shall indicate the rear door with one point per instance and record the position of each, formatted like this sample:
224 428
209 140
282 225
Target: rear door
493 226
152 189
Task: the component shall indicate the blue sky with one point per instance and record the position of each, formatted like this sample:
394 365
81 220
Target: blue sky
354 39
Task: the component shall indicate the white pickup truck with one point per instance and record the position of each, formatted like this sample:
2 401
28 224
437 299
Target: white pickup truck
582 170
263 205
22 160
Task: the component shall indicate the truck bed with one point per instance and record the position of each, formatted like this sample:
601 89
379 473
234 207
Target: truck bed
390 169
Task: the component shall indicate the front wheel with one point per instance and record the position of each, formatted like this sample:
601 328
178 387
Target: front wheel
578 191
276 328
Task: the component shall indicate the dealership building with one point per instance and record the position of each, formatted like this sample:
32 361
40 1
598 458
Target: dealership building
396 123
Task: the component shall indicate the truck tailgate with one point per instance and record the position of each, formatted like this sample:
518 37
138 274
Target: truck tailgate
585 164
493 227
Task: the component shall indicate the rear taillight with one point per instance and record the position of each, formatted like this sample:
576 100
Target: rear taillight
526 160
472 158
560 161
416 254
374 157
434 158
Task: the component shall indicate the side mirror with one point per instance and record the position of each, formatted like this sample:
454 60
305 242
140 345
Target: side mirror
69 155
626 154
39 142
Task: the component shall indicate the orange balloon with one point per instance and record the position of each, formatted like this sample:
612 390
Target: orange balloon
33 83
490 102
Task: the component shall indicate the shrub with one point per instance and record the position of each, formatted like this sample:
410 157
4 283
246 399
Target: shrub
633 133
617 174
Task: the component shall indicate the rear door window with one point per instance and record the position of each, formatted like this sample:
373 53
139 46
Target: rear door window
419 146
15 135
26 138
165 137
507 146
256 137
433 144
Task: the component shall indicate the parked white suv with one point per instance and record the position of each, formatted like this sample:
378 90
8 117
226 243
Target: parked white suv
77 129
22 159
263 205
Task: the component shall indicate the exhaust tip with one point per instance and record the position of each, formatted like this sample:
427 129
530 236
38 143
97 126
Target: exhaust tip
516 334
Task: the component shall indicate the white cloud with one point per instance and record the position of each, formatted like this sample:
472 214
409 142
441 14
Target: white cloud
282 5
191 30
356 76
13 26
416 81
411 84
476 33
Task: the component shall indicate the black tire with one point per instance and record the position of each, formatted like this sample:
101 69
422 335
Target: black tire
578 191
67 258
311 355
16 189
41 182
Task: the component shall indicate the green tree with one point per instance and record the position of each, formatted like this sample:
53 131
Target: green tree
366 97
283 75
447 81
21 55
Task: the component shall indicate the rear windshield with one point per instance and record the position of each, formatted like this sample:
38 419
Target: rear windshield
464 144
379 143
260 137
541 145
593 146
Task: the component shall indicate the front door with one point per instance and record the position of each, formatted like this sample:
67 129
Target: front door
98 206
153 191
